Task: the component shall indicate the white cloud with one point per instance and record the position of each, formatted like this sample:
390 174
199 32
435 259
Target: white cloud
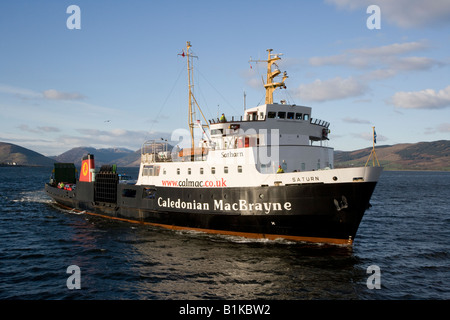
414 63
332 89
379 74
39 129
48 129
340 59
20 92
252 78
50 94
355 120
255 83
369 136
53 94
366 57
131 139
387 59
424 99
381 62
441 128
119 132
444 127
391 49
404 13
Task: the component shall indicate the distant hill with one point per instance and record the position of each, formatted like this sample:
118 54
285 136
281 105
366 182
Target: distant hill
130 160
408 156
101 156
120 156
11 154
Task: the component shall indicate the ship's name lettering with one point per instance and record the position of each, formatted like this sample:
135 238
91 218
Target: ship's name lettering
231 154
168 203
305 179
220 205
243 205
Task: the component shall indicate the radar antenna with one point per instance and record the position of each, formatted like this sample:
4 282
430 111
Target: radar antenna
270 85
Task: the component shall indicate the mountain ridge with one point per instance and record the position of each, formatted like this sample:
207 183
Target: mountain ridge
12 154
434 155
101 156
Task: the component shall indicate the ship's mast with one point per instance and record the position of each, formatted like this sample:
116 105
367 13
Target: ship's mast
191 85
270 85
191 99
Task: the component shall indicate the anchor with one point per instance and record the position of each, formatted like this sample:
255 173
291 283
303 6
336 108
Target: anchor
343 204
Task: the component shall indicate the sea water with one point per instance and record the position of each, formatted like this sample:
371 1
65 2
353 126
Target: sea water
405 235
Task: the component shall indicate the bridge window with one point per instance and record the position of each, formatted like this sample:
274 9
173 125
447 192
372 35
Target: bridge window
290 115
253 116
281 115
225 169
150 171
216 131
298 116
306 116
213 170
239 169
271 115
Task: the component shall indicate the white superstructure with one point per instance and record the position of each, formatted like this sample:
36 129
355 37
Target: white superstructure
250 150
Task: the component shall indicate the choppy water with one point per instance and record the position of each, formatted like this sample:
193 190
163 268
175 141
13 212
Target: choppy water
406 234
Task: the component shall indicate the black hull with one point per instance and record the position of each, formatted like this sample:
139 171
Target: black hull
329 213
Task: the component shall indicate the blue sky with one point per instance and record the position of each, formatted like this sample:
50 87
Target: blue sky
118 80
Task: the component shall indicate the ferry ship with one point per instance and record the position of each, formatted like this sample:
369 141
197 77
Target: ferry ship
266 174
